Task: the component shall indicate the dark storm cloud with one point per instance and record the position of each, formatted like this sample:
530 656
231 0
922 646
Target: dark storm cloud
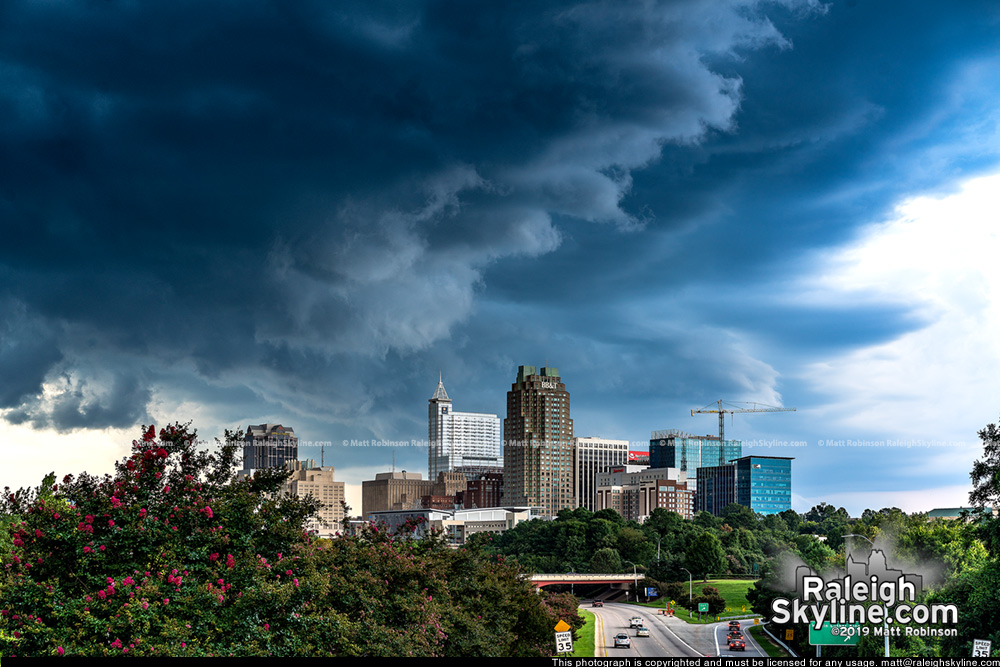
27 351
229 185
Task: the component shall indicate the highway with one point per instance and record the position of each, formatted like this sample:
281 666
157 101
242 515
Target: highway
668 636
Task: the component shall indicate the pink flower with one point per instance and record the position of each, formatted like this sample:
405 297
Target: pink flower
166 600
60 651
111 523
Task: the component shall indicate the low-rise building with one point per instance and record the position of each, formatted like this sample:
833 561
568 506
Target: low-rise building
308 479
456 525
635 493
404 490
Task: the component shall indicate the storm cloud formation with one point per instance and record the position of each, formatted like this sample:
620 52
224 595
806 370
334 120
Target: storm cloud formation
303 211
218 185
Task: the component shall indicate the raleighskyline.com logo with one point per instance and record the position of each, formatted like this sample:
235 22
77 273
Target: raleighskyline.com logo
870 599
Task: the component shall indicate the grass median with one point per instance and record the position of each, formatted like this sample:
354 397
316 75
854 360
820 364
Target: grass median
733 591
583 647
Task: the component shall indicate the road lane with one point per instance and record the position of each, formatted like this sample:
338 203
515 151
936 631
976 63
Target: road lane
614 618
668 636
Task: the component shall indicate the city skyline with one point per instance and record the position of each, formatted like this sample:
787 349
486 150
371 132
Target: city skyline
303 214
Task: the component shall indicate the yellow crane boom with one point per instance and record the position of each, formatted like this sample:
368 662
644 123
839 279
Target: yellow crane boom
733 411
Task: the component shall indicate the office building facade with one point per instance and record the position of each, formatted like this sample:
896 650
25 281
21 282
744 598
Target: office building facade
406 490
269 446
308 479
466 442
483 491
762 483
676 449
538 447
636 493
590 457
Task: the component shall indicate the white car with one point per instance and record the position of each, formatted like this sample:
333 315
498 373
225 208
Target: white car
622 639
642 631
635 622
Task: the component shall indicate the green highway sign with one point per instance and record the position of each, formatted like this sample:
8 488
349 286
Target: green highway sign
702 606
835 634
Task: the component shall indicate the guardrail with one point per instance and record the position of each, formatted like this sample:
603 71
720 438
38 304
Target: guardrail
763 626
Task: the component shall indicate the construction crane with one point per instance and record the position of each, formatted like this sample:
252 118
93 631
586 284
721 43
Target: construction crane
738 410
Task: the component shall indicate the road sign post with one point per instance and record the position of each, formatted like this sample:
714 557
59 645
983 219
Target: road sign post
564 637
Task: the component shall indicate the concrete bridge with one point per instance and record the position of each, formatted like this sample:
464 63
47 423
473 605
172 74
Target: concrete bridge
617 580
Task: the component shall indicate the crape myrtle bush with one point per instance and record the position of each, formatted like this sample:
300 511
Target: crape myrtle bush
175 556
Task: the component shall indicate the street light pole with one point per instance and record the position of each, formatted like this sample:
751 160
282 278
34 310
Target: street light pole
885 607
635 579
689 583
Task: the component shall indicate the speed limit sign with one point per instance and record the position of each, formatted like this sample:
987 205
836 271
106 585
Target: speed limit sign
564 642
981 648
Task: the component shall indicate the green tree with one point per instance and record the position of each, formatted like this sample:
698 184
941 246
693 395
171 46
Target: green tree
739 516
705 555
606 561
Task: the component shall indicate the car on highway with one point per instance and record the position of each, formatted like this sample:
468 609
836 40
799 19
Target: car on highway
622 639
634 622
598 603
734 625
642 631
736 643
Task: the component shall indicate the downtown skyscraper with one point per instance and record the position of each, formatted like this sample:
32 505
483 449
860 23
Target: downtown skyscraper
465 442
538 442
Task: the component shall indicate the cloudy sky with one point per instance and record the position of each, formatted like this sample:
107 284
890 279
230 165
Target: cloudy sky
303 212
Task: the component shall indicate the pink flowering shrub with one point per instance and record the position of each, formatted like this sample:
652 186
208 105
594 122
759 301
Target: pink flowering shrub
173 556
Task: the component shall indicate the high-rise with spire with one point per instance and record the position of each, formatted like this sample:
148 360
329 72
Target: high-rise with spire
466 442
